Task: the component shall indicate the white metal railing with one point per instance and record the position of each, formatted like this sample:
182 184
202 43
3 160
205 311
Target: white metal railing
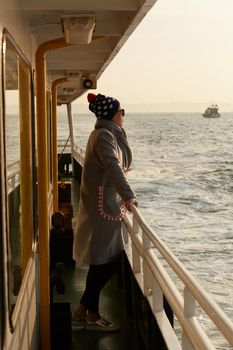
13 174
155 281
78 154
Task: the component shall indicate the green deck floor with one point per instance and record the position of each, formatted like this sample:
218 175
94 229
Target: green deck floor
112 307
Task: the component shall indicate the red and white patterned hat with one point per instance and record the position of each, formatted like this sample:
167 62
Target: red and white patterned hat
104 107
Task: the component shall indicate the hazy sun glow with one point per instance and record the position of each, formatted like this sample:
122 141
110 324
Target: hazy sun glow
182 52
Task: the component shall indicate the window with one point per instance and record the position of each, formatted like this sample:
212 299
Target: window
18 155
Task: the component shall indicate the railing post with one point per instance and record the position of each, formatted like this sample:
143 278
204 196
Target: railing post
135 255
69 113
54 147
189 311
13 182
147 275
125 234
157 297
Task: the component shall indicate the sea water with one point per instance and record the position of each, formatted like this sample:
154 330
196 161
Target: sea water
182 173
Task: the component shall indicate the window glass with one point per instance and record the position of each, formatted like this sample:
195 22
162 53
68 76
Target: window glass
17 120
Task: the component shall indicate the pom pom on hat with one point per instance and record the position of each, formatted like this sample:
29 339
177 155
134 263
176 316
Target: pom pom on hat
104 107
91 97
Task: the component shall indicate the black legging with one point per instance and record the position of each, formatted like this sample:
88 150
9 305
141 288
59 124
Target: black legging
97 277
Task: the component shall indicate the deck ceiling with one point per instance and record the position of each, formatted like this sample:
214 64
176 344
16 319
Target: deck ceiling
115 21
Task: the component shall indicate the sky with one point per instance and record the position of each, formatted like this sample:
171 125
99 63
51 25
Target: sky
180 55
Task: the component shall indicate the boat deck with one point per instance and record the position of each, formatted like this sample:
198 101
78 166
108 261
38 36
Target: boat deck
112 306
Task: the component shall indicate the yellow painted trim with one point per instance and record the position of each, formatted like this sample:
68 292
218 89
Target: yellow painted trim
99 37
26 224
42 161
54 151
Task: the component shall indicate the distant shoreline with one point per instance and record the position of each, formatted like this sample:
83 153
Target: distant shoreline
163 107
147 108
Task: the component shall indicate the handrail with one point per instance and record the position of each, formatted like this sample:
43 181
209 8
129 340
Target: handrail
142 248
13 169
78 153
218 316
193 292
13 173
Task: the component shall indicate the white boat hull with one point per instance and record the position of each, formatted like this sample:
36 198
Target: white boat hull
212 115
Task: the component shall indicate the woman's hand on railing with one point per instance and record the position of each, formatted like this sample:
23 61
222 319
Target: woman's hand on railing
130 202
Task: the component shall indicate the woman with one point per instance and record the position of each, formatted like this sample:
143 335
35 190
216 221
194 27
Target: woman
104 196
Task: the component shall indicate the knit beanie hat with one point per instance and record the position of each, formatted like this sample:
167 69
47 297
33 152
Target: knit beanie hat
104 107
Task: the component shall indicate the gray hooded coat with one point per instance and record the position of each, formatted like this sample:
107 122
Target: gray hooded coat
104 189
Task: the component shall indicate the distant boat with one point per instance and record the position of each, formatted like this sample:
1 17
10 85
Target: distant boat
212 112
